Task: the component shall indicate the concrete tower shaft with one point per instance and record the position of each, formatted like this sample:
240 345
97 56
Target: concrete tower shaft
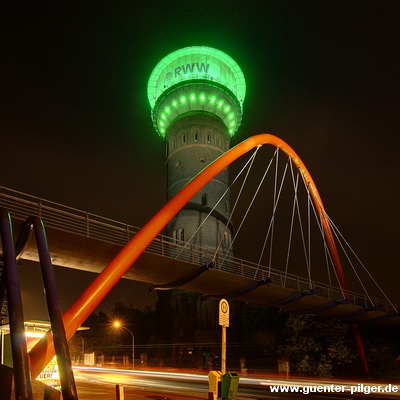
193 141
196 95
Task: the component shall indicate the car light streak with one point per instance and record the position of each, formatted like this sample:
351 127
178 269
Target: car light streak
184 382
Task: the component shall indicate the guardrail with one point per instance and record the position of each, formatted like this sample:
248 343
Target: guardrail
68 219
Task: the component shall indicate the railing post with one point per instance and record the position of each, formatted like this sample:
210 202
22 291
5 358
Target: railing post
162 245
119 392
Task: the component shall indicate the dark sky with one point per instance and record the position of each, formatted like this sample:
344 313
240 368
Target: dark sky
324 76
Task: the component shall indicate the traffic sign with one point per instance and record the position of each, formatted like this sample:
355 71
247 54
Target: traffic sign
224 313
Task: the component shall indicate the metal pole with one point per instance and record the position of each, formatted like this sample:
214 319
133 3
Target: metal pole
2 346
119 392
133 352
83 347
68 386
22 377
133 346
223 356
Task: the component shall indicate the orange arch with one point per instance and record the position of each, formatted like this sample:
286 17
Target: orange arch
43 352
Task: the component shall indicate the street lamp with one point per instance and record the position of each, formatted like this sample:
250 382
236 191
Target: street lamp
83 348
118 325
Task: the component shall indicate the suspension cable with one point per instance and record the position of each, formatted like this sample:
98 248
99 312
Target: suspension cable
273 211
295 186
335 231
328 257
265 241
302 236
220 199
297 207
234 207
362 264
248 208
270 225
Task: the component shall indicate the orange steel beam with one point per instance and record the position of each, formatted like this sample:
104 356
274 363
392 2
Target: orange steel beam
43 352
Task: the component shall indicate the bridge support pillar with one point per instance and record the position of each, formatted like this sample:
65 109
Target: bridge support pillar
360 348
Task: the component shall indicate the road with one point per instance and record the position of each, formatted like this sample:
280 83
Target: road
100 383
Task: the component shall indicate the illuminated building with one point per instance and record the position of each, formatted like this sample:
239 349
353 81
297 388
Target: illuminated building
34 331
196 96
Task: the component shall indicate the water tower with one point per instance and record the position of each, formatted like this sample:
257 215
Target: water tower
196 96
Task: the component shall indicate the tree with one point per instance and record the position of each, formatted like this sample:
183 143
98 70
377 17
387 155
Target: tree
382 348
262 331
316 347
99 338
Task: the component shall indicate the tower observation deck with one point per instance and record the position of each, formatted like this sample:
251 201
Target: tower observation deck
196 96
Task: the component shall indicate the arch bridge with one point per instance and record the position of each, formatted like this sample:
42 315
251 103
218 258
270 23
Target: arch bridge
89 242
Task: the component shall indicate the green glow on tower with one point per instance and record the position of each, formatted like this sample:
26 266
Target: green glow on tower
194 79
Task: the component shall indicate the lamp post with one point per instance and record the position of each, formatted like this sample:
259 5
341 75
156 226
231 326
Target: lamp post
118 325
83 348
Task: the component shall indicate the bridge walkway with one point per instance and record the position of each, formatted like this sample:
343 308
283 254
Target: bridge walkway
88 242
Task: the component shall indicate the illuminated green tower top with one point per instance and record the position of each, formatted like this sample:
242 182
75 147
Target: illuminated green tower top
196 96
196 79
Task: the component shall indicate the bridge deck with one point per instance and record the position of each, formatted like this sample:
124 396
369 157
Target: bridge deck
87 242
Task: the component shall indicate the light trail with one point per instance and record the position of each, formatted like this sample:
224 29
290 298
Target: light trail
178 382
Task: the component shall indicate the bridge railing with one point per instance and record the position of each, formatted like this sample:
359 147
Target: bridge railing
68 219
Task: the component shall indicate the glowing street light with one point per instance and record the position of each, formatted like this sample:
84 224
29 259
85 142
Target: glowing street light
118 325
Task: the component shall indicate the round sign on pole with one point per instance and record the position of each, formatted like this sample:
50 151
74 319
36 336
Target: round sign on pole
224 313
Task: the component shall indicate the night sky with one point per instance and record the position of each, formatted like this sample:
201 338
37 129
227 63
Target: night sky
75 120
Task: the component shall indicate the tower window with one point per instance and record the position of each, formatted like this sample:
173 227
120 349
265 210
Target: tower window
174 236
184 138
181 234
195 137
204 199
226 206
226 238
208 138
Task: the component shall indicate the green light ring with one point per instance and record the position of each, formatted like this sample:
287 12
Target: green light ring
238 88
197 83
162 126
174 94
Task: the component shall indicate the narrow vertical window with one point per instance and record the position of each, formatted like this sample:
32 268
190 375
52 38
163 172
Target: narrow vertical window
181 234
226 241
184 138
226 206
208 138
195 137
174 236
204 199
